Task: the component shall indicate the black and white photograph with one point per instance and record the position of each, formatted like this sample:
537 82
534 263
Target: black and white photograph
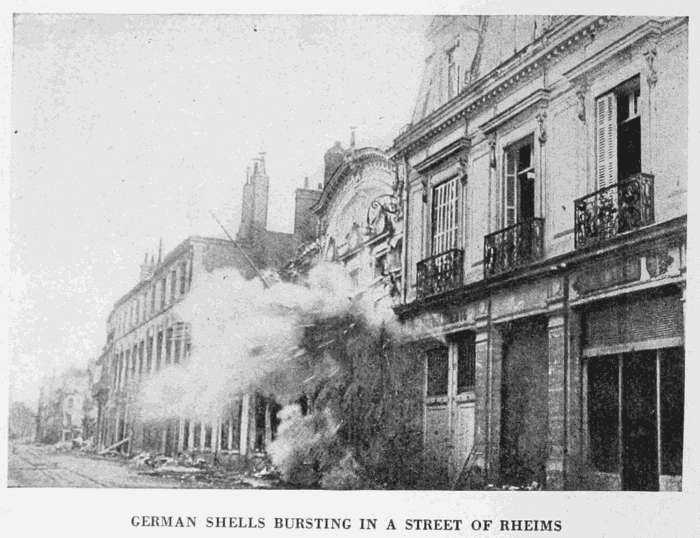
415 252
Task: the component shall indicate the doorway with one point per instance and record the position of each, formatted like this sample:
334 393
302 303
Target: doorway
635 416
639 422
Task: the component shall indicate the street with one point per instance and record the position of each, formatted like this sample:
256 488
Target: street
43 466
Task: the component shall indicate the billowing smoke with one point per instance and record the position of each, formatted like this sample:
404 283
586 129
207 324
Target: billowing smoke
342 351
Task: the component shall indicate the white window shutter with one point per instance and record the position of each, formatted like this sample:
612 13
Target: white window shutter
509 189
606 141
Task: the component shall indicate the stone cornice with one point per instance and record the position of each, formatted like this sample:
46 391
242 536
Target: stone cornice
539 97
652 28
439 156
568 34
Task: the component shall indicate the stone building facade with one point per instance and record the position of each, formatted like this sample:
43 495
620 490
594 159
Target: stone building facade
545 182
145 335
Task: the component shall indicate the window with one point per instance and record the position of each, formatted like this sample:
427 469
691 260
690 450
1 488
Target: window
159 349
437 372
142 344
145 306
163 289
173 284
466 364
153 300
445 216
452 74
618 134
168 346
183 277
149 352
519 183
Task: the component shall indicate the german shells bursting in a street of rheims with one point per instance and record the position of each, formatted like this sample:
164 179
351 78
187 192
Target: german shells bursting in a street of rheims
491 297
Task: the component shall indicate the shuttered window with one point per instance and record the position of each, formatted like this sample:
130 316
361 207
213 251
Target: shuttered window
643 316
606 140
445 216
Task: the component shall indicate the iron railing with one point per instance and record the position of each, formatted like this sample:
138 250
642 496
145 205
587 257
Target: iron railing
439 273
513 247
614 210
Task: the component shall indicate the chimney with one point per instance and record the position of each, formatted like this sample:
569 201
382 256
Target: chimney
332 159
146 268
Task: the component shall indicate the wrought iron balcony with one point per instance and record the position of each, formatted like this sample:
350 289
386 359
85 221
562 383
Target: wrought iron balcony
513 247
614 210
440 273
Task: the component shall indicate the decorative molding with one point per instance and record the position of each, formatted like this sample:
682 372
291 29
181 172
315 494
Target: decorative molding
539 97
541 118
459 145
581 92
581 71
650 58
492 151
567 35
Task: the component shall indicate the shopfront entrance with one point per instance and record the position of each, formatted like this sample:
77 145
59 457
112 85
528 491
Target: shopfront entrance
635 416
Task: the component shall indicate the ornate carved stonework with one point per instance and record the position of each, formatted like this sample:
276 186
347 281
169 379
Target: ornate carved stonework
541 126
658 262
650 57
492 151
581 102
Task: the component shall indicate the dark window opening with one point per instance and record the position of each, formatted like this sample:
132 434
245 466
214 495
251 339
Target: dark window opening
197 437
260 412
437 372
672 397
603 413
186 434
629 133
207 436
168 346
159 349
466 364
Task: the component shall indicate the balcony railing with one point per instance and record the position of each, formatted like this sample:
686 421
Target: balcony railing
614 210
440 273
513 247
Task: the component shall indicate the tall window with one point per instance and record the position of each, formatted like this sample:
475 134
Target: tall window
618 134
437 371
173 284
159 349
163 290
452 74
153 299
183 277
519 183
445 212
149 352
466 364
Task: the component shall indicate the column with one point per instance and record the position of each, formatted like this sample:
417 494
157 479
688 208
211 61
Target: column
245 421
576 405
556 396
495 358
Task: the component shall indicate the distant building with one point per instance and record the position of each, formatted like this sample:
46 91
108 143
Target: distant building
144 336
65 411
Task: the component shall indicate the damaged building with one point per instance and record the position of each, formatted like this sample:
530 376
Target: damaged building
145 335
546 186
